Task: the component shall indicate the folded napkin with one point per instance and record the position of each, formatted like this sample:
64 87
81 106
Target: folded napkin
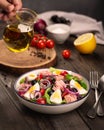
79 23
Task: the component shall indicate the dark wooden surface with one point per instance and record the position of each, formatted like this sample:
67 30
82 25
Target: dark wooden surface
15 116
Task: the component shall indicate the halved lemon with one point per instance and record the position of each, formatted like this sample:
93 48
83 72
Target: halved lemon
85 43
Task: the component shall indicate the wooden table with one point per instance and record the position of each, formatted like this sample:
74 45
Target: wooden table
15 116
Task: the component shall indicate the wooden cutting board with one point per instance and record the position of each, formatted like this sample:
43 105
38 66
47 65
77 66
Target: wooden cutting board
30 59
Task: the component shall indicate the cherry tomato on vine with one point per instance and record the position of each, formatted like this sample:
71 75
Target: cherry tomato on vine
41 41
43 38
41 44
50 43
34 41
66 53
38 36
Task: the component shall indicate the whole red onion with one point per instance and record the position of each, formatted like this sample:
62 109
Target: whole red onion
40 26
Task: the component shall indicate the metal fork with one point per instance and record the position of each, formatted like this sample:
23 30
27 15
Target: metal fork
94 79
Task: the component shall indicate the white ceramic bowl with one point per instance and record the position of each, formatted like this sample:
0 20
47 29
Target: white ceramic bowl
58 32
49 108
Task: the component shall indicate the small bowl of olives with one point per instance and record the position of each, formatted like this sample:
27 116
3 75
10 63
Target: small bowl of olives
60 19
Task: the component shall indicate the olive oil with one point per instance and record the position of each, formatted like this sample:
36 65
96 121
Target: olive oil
18 37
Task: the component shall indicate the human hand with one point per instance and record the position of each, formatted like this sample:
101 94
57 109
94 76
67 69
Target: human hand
9 8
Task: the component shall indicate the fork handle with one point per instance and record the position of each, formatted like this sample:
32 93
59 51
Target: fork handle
99 110
92 112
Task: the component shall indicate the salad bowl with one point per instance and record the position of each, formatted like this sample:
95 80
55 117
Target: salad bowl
51 90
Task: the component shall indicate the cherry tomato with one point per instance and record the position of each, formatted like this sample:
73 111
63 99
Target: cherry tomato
42 91
44 38
39 77
41 44
41 41
64 73
66 53
50 43
41 101
34 41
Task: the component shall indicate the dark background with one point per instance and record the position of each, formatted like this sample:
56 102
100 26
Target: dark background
92 8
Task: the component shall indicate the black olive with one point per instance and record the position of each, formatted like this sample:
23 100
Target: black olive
57 19
67 81
63 20
68 22
79 97
50 92
54 18
33 82
73 89
53 80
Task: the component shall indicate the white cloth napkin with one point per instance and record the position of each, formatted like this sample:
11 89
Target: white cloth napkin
80 23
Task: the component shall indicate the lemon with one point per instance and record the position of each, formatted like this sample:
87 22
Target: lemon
85 43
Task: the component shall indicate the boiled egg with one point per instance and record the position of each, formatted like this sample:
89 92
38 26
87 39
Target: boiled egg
31 77
80 89
35 87
56 97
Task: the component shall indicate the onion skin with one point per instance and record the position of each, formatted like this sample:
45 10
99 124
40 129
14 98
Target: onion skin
35 95
45 83
40 26
23 88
